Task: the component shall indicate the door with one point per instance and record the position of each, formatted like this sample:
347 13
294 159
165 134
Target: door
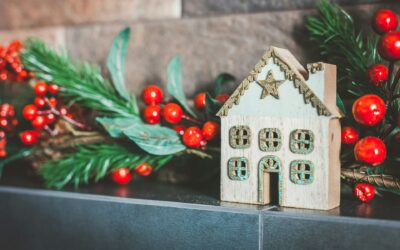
270 166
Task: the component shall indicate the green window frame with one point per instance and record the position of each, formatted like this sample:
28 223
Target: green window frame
270 139
302 172
238 168
240 137
301 141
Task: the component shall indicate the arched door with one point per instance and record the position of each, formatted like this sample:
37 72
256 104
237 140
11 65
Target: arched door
272 165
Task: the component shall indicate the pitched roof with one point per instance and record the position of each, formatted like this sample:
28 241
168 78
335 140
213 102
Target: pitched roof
293 71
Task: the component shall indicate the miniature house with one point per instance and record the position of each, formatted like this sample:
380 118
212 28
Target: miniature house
280 135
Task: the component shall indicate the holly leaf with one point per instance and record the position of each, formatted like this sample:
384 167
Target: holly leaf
116 126
174 74
212 107
116 64
155 139
340 104
222 79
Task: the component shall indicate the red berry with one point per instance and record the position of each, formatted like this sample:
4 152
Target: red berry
54 89
192 137
349 135
29 112
222 98
63 110
152 95
29 137
4 123
180 129
40 88
39 102
152 114
389 46
172 113
384 21
377 74
364 191
370 150
144 169
53 102
50 118
369 110
7 110
122 176
39 122
200 101
210 130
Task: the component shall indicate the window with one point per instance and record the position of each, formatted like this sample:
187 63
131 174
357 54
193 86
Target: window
301 141
271 164
238 169
270 139
301 172
240 137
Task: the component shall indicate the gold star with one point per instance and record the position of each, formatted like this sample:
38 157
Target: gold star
270 85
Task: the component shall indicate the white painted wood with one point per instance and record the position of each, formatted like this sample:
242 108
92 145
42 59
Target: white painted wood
288 113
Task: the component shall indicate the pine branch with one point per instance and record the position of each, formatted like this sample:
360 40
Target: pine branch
82 83
94 162
340 44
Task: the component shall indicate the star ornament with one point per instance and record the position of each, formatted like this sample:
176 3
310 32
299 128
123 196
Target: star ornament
270 86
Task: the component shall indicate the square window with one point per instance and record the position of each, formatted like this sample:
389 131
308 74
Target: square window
238 169
270 139
302 141
301 172
240 137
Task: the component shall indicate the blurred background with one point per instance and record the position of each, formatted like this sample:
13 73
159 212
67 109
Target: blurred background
211 36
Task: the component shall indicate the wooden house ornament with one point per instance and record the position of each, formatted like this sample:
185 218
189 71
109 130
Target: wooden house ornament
280 135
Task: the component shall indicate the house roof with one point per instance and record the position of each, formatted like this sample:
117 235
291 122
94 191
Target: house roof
293 71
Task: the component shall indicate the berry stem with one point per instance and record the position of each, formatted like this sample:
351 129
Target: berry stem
52 132
188 118
66 118
44 112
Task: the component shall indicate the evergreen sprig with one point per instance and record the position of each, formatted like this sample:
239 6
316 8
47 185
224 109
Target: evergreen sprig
339 43
95 162
80 82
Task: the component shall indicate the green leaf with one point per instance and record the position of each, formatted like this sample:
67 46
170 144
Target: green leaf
212 107
116 62
22 153
222 79
174 73
115 126
154 139
340 104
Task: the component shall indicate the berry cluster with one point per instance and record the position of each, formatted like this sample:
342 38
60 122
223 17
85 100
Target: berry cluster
11 67
171 113
123 176
8 122
43 113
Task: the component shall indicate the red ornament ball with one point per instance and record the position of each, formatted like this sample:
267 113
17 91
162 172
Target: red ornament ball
222 98
192 137
384 21
369 110
200 101
144 169
172 113
389 46
152 95
152 114
377 74
54 89
40 88
364 191
122 176
210 130
29 112
349 135
370 150
29 137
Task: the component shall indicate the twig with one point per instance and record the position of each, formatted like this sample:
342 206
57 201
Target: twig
381 180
